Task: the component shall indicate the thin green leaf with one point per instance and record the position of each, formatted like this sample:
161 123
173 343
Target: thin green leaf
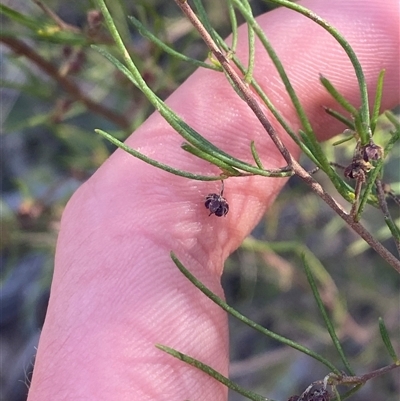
234 26
337 96
116 63
195 139
228 169
249 322
378 100
155 163
393 228
328 322
169 50
255 154
358 125
118 9
340 117
29 22
344 140
393 118
386 340
252 50
213 373
350 392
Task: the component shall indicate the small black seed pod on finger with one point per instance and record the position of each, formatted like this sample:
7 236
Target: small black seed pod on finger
217 204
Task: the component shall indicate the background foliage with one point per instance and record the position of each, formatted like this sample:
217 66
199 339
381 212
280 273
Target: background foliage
49 148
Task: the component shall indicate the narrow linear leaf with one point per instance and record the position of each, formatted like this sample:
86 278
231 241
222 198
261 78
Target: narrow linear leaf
328 322
255 154
195 139
386 340
340 117
378 100
344 140
116 63
212 372
394 119
155 163
337 394
252 49
358 124
234 26
350 392
22 19
213 160
247 321
337 96
167 49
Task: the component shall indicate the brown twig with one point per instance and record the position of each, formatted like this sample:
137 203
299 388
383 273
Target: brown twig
60 23
357 227
318 389
19 47
252 102
356 380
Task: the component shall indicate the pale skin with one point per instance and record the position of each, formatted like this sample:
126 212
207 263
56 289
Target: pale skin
116 293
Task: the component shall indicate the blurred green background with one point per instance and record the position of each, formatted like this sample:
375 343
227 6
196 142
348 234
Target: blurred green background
51 101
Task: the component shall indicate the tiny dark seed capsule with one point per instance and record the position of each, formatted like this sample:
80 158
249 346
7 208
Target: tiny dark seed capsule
217 204
372 152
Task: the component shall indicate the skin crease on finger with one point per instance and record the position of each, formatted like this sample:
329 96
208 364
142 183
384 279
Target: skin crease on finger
115 291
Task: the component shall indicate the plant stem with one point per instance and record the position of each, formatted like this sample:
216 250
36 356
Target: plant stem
364 378
67 84
356 226
241 87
